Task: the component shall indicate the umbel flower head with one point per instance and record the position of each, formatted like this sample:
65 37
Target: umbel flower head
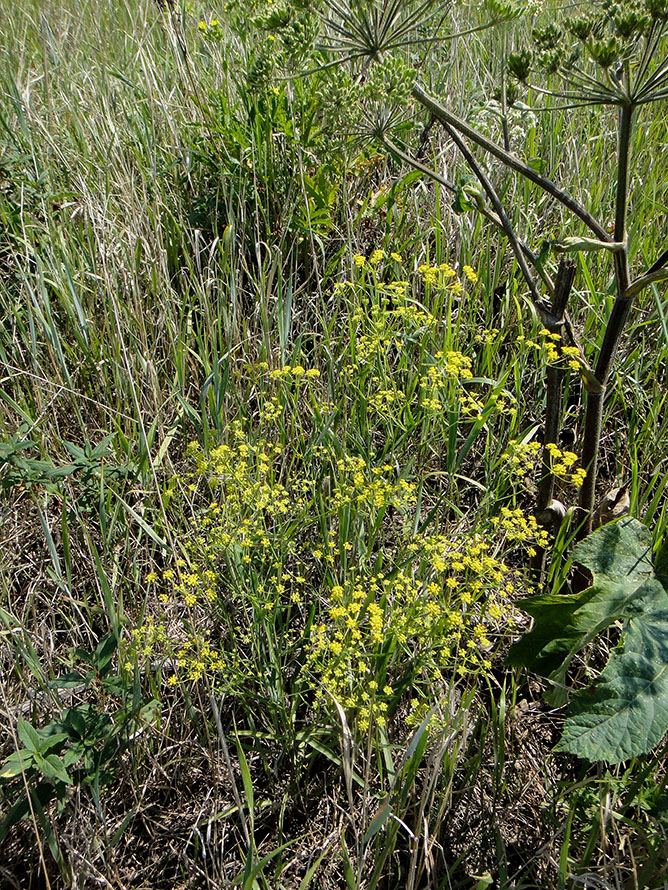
611 55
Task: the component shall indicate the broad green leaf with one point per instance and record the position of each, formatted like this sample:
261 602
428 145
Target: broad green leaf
105 652
51 738
16 764
68 681
52 767
75 721
626 713
462 202
619 556
73 755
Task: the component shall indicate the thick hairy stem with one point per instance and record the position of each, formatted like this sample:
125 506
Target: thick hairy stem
613 330
510 160
546 514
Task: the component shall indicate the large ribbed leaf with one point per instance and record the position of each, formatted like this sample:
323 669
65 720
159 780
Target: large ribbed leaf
626 712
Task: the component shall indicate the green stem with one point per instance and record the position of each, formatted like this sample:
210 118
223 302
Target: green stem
394 149
501 213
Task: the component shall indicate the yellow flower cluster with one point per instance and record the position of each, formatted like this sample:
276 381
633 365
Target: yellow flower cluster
552 349
436 384
385 401
197 657
375 258
487 336
442 277
563 465
455 363
380 328
520 529
303 542
519 458
212 30
149 639
294 372
397 290
440 612
369 487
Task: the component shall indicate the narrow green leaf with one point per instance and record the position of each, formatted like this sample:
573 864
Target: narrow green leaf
348 872
16 764
248 785
381 817
124 824
52 767
28 735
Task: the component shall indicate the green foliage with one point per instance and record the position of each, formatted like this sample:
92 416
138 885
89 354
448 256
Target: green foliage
321 571
187 231
89 462
81 746
519 64
611 33
624 714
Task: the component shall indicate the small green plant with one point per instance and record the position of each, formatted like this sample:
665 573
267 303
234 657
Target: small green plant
625 712
90 463
80 747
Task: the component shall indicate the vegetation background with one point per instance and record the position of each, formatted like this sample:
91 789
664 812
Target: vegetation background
269 421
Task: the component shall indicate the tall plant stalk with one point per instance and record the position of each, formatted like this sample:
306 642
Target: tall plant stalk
547 512
614 328
623 42
595 384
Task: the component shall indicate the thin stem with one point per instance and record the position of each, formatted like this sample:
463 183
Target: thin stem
501 213
492 217
504 92
230 769
510 160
